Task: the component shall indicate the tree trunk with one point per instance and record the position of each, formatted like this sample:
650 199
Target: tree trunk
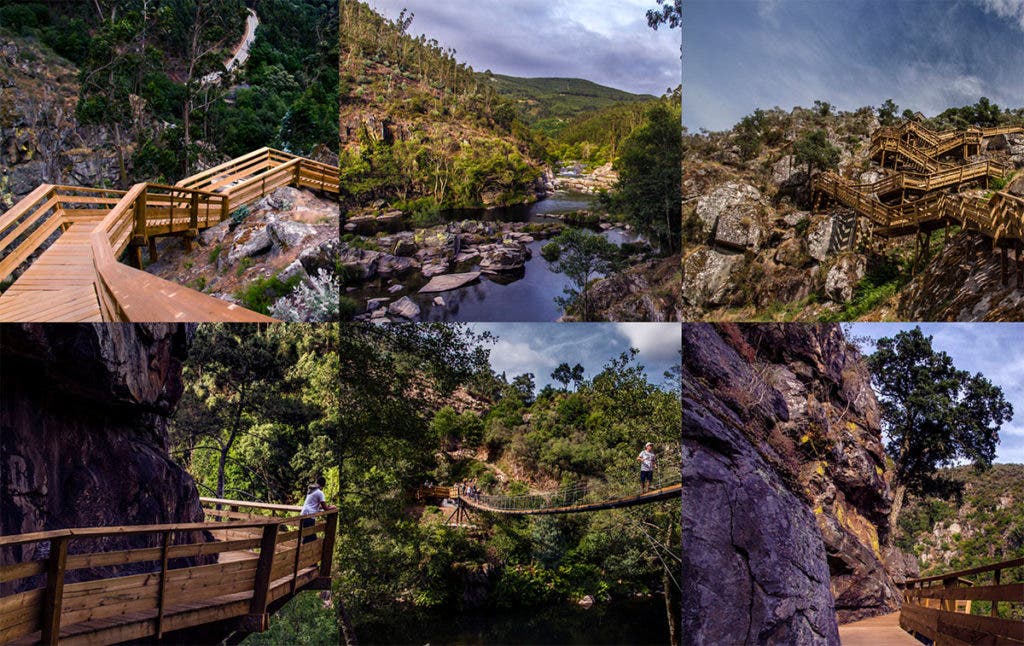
898 497
666 584
346 632
221 462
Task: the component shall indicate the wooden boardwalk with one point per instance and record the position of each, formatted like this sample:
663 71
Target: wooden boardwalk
914 198
78 277
877 631
255 563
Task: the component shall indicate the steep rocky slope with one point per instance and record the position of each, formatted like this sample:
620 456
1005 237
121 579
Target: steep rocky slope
40 139
756 249
83 431
785 495
981 524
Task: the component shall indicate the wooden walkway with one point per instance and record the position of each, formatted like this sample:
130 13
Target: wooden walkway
877 631
78 277
256 561
914 198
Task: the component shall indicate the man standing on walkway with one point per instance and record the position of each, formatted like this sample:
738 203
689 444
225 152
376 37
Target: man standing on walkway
647 461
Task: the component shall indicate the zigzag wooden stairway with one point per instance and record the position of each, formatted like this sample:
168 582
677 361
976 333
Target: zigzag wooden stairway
915 198
259 558
78 277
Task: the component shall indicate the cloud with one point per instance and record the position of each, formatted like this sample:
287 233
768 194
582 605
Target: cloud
659 342
517 357
605 41
1010 10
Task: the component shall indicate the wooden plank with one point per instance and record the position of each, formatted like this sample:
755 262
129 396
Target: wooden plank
21 570
161 597
327 553
1004 565
1004 592
54 594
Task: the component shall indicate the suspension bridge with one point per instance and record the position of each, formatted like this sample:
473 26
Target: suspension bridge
579 497
214 578
920 194
940 609
78 276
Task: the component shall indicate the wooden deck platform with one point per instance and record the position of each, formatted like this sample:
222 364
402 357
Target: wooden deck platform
78 276
883 630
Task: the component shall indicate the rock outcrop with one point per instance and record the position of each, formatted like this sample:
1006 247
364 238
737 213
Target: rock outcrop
83 432
963 283
786 501
41 141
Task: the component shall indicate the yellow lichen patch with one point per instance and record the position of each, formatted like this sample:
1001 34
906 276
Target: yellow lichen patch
818 510
878 470
852 426
820 469
805 438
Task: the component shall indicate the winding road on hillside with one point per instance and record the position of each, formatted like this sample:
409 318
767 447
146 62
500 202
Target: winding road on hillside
241 53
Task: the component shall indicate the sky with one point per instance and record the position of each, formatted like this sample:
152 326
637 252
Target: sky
993 349
927 55
540 347
605 41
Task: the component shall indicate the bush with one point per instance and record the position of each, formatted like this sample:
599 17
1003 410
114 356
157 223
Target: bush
264 292
551 251
317 299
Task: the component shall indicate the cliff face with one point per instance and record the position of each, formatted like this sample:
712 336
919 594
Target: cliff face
785 495
41 141
83 430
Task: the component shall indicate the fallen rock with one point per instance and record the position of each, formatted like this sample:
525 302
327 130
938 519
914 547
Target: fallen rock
405 307
503 259
438 301
250 243
735 198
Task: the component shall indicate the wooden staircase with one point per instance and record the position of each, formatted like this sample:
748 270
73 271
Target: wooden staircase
916 200
78 277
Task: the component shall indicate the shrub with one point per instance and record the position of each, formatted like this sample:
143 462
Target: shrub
264 292
315 299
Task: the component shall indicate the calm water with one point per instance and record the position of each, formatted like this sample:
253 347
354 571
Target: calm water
529 298
636 622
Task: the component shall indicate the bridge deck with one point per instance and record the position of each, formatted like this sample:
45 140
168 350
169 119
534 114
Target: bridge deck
883 630
663 493
60 285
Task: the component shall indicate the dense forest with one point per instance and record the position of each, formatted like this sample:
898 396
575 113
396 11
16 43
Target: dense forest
153 73
263 415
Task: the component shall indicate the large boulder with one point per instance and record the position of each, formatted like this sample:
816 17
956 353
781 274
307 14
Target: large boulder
249 243
405 308
327 255
285 233
498 259
736 199
819 236
843 276
707 276
739 230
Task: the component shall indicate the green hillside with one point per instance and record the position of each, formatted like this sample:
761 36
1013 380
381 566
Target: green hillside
549 104
982 524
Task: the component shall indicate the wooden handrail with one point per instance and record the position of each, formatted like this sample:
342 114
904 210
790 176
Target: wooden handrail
163 597
1004 565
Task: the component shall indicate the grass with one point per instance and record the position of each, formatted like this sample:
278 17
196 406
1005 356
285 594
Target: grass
215 253
245 264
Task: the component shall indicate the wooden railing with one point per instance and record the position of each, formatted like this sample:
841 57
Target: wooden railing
938 608
171 578
123 220
1000 217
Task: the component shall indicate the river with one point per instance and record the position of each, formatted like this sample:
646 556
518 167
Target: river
633 621
530 298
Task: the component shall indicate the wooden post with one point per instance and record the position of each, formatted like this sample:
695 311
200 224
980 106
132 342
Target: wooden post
298 552
327 556
193 212
268 545
140 214
224 208
53 598
163 586
994 612
1004 266
152 249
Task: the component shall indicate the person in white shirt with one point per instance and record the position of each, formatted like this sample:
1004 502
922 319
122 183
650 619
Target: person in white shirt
648 460
315 502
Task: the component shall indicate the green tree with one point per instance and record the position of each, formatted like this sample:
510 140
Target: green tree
582 257
669 12
933 414
814 149
566 374
887 112
649 190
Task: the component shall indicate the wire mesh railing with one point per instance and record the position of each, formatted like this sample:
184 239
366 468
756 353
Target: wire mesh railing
580 494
